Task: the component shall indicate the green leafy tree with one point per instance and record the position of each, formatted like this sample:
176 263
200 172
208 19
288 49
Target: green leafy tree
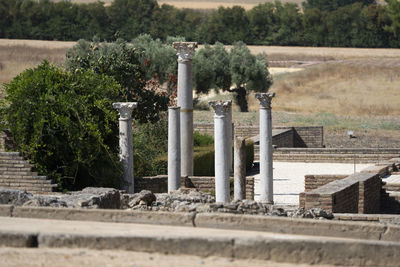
214 67
393 11
64 122
121 61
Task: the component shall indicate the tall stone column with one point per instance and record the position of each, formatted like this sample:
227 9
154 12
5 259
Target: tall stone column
221 145
266 169
185 51
125 142
174 149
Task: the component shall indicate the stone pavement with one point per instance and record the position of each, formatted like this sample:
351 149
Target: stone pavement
289 178
89 257
202 242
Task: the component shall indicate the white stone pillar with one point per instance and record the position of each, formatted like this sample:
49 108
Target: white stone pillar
185 51
230 137
266 169
239 187
221 145
125 143
174 149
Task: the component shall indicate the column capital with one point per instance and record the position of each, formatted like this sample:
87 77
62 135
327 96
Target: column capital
125 109
221 107
265 99
185 50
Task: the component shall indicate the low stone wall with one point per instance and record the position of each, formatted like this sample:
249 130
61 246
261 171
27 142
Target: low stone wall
159 184
359 192
311 136
312 182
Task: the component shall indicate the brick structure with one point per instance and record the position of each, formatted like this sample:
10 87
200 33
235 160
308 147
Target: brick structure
159 184
312 182
312 136
357 193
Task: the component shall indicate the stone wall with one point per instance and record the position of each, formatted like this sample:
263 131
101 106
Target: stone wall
159 184
359 192
312 136
312 182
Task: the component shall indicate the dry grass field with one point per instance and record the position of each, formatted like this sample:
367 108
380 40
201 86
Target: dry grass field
339 88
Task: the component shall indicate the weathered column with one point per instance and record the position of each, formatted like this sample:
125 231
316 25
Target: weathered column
174 149
185 51
221 145
239 188
229 136
266 169
125 142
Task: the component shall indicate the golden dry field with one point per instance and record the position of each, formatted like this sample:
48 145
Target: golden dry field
347 81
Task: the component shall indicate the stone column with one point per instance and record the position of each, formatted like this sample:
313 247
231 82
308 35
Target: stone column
221 145
230 137
266 169
185 51
125 142
174 149
239 188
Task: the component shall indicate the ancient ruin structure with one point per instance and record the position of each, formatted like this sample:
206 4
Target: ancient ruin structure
185 51
174 149
221 144
125 142
239 169
266 169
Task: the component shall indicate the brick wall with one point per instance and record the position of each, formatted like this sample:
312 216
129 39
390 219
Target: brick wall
283 138
312 182
359 192
312 136
159 184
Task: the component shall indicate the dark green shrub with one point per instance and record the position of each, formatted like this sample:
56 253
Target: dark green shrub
203 160
65 124
149 143
201 139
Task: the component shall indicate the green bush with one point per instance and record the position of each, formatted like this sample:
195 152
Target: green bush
149 143
66 125
201 139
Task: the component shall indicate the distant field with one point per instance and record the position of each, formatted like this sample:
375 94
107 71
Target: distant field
347 81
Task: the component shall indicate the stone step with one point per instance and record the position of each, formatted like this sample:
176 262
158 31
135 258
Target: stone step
26 184
17 165
15 169
392 187
30 181
22 177
14 161
203 242
23 173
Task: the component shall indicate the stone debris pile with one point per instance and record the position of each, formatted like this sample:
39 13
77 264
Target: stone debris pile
182 200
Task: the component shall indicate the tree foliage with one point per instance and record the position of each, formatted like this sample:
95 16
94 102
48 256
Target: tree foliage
121 61
214 67
64 122
360 23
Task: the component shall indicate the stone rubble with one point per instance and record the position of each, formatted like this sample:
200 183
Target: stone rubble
182 200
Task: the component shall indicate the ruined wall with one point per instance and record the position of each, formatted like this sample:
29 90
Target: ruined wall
312 182
357 193
159 184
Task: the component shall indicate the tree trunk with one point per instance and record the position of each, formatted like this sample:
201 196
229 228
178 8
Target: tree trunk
241 99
